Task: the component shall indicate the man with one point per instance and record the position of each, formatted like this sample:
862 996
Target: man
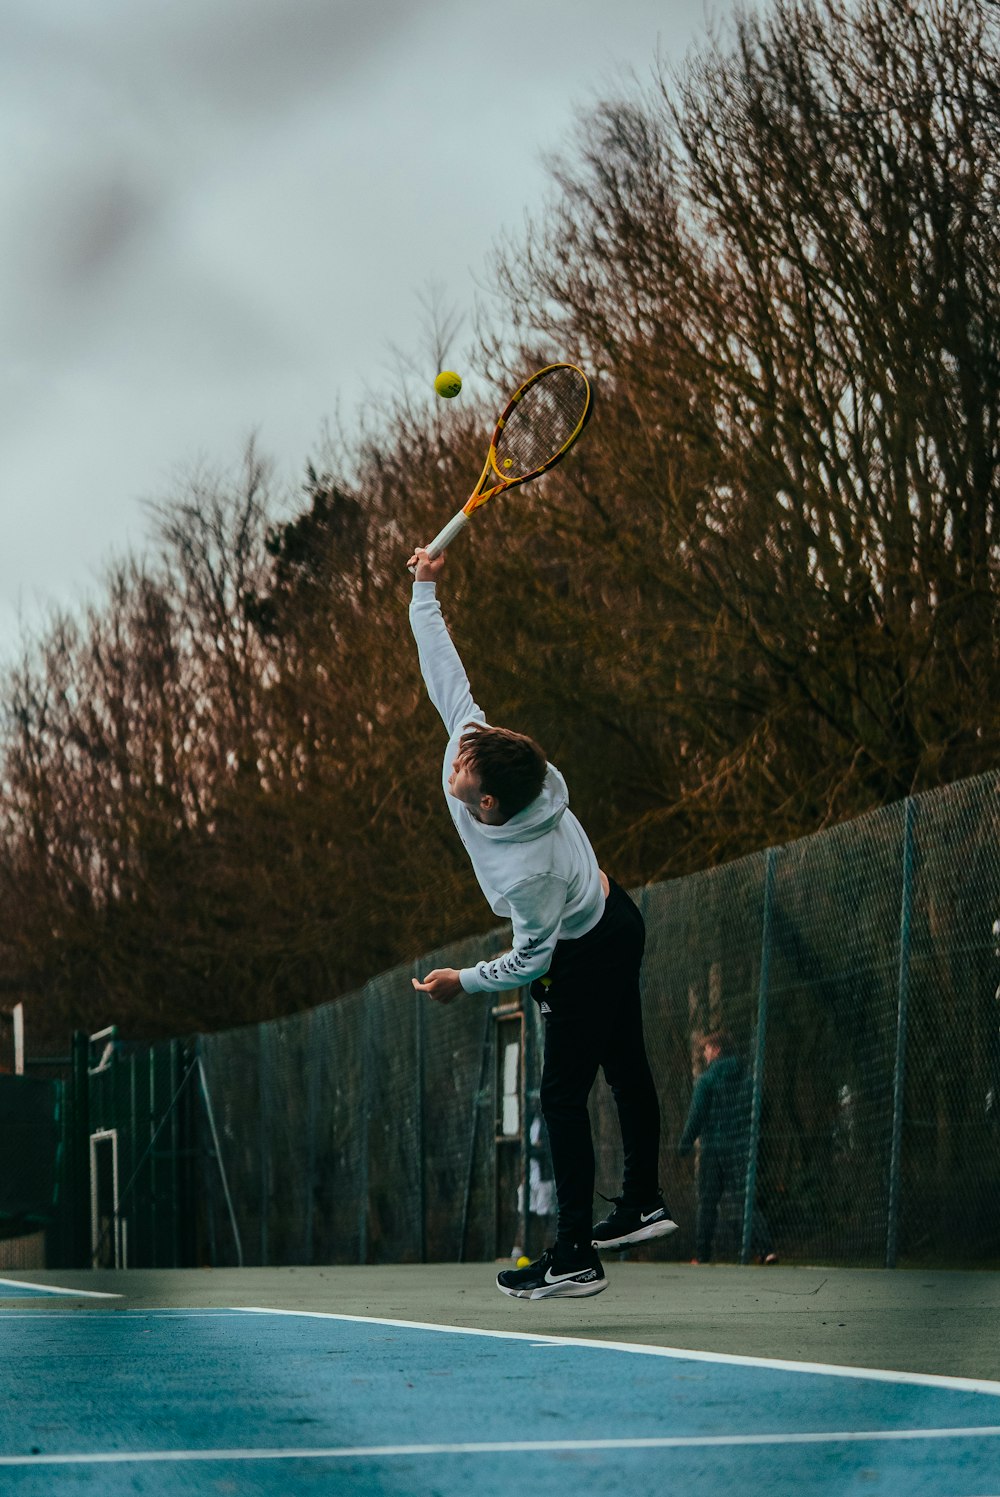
720 1116
577 941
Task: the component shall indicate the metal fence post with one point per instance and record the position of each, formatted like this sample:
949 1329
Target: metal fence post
750 1195
902 1008
311 1020
264 1136
524 998
421 1133
155 1174
138 1231
175 1155
366 1123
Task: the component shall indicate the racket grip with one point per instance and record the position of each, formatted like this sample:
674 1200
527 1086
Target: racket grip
446 536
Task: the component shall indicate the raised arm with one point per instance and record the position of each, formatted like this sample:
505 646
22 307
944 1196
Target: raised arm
440 663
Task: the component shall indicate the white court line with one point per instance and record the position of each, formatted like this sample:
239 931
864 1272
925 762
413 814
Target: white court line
680 1353
496 1447
55 1289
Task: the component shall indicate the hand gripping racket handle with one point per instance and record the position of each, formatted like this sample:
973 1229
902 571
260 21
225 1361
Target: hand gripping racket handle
446 536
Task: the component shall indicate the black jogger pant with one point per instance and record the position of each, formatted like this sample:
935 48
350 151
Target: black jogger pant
719 1171
593 1019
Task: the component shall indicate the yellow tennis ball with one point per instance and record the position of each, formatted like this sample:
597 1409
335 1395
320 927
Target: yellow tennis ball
523 1262
448 383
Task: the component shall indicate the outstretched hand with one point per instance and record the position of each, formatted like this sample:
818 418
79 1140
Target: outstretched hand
425 568
442 985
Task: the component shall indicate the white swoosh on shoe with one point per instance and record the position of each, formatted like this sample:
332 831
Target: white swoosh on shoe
560 1278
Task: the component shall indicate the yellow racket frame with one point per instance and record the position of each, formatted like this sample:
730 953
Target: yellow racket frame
480 497
486 489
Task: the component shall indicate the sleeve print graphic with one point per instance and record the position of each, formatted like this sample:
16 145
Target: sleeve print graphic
511 964
536 906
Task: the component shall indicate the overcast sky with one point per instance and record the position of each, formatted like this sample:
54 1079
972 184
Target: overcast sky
219 217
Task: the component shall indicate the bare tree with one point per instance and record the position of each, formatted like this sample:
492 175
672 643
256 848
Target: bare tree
787 267
760 596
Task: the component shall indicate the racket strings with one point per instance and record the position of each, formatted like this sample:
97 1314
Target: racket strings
542 422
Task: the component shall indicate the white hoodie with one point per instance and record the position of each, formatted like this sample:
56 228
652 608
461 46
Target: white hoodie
538 869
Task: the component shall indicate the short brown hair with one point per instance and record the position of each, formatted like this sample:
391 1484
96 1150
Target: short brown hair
722 1040
511 767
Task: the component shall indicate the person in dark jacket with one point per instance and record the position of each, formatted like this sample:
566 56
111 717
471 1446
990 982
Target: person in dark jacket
719 1116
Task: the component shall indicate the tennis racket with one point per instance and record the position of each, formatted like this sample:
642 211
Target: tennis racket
536 428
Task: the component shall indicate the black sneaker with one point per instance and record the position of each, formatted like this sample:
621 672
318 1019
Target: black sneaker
628 1224
552 1276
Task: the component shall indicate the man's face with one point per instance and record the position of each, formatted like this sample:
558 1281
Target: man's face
711 1053
464 784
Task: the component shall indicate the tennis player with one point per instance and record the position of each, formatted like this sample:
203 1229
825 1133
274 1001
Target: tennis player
577 942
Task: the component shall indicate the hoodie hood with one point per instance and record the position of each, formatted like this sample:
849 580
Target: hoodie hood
543 814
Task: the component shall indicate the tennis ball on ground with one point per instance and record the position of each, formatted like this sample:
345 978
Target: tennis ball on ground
448 383
523 1262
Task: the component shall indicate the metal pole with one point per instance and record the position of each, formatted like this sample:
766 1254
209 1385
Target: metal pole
264 1136
17 1019
133 1149
750 1195
311 1020
155 1175
902 1007
421 1142
365 1131
175 1162
524 999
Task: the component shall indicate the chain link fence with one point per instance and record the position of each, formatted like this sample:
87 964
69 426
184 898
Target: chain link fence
358 1132
856 971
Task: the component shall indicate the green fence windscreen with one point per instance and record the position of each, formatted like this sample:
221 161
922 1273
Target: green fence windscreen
856 970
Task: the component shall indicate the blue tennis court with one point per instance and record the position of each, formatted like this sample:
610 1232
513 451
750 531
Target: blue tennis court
276 1402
